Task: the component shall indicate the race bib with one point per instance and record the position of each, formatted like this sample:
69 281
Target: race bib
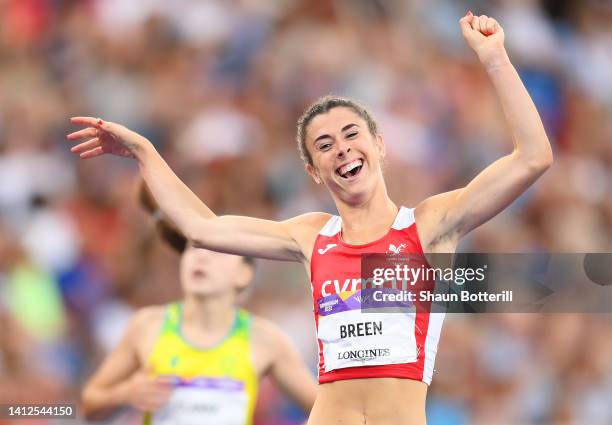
352 337
211 401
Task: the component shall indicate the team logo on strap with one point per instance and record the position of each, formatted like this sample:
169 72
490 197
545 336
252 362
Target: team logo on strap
327 248
396 250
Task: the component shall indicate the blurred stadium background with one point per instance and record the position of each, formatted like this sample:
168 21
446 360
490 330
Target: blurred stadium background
217 85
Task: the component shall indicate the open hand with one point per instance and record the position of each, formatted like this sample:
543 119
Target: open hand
486 37
105 137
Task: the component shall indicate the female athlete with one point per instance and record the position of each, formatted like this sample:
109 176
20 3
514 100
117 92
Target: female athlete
198 361
372 370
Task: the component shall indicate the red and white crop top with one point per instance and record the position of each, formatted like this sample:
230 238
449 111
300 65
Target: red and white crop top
363 344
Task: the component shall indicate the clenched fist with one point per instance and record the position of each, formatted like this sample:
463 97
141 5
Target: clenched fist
486 37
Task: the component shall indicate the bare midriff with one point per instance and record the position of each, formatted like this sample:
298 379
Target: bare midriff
372 401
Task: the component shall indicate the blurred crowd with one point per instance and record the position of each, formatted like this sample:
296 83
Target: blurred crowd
217 86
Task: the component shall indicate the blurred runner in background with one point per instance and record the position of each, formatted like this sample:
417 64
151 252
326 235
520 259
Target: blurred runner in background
199 360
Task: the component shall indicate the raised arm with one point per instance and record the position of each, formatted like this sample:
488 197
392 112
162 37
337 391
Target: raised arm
230 234
449 216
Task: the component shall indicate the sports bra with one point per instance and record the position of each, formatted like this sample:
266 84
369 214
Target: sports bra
216 386
364 343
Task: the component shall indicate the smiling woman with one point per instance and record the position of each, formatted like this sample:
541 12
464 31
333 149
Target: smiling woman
373 367
323 106
340 144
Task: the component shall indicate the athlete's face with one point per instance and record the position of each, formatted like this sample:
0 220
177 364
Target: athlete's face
346 156
205 272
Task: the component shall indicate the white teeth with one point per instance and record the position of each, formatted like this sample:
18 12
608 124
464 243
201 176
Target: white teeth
348 167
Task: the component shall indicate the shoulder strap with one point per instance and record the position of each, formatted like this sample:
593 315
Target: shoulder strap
332 227
404 219
243 324
172 318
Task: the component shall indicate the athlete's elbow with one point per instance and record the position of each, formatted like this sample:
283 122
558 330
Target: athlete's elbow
86 406
91 413
538 161
206 238
198 233
542 162
194 238
87 413
546 156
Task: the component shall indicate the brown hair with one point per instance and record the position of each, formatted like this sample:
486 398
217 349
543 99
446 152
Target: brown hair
323 106
165 228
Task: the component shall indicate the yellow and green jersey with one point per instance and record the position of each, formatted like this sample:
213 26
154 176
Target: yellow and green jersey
213 386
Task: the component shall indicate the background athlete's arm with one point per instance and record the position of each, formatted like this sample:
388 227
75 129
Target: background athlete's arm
230 234
286 368
120 380
453 214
